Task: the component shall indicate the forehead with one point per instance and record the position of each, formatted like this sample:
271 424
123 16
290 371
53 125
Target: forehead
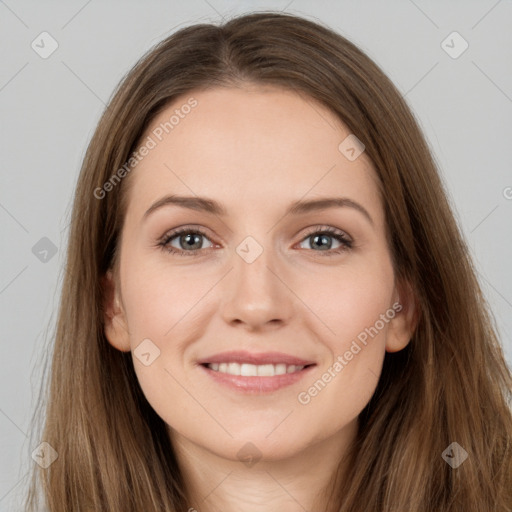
254 145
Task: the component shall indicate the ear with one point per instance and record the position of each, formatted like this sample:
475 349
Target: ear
402 326
116 329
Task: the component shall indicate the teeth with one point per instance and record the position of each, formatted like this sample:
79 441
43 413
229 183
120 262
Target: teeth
254 370
266 370
248 370
233 369
280 369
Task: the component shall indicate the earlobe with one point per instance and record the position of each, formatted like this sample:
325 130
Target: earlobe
402 326
116 330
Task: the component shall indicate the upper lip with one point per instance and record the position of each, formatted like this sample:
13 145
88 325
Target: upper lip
240 356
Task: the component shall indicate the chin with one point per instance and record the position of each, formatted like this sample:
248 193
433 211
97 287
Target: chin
259 447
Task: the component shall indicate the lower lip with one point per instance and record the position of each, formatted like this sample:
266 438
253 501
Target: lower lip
257 385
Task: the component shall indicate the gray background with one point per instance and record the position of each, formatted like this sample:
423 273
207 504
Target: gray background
49 109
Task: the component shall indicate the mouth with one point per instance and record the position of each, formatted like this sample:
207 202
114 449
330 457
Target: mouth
256 373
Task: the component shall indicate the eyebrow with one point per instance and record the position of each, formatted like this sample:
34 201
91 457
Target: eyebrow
300 207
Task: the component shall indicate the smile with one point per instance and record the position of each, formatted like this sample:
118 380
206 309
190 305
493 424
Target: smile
255 373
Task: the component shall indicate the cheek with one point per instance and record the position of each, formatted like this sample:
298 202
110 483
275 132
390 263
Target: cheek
355 310
158 299
349 300
161 304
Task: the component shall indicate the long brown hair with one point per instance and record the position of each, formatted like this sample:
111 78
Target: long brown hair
450 384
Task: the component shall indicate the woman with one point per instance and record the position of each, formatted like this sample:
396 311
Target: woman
214 351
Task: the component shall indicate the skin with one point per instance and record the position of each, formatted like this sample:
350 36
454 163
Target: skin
272 147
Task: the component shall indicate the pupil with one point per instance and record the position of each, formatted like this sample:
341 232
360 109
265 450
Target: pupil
325 238
191 237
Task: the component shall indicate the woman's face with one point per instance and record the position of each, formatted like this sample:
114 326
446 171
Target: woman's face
263 328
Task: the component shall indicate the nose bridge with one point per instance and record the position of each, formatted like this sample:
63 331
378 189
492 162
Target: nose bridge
252 266
256 294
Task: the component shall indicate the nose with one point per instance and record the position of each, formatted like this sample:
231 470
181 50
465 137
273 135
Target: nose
257 294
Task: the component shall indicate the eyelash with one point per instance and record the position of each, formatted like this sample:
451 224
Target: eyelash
346 243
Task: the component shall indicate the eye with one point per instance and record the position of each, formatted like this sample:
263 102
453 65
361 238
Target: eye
190 241
322 238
